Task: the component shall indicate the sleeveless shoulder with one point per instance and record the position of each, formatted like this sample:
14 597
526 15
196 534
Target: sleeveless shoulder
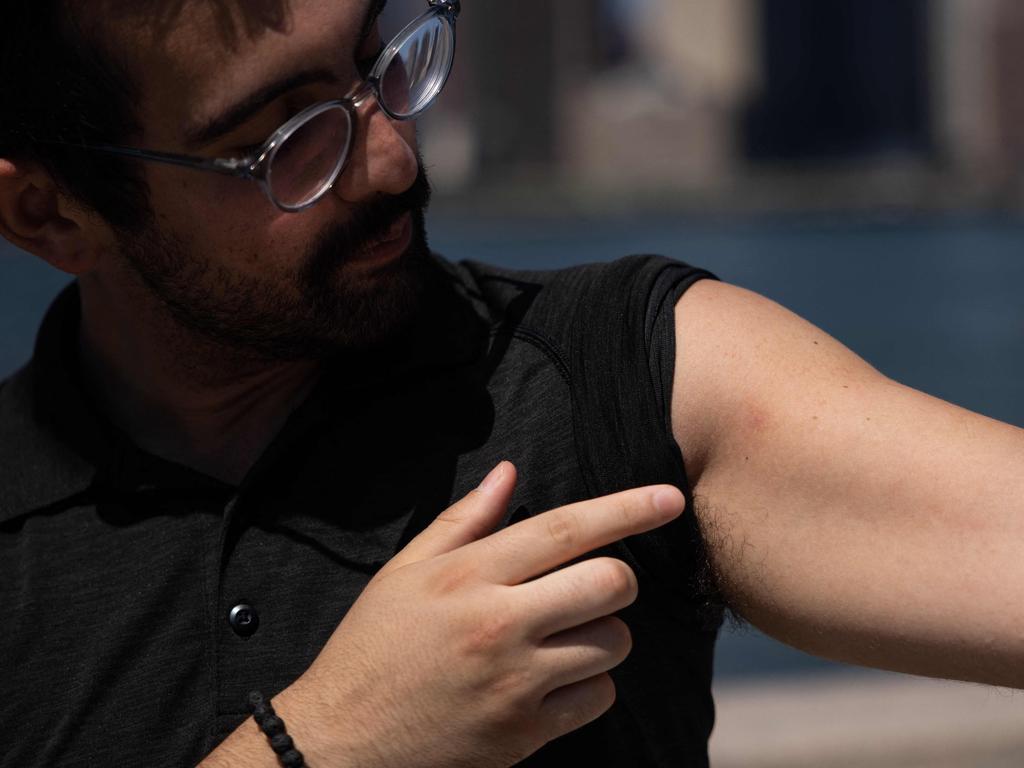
568 306
610 327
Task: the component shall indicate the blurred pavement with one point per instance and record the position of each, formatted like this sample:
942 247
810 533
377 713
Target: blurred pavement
873 720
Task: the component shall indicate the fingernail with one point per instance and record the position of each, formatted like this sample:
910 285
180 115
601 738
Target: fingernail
493 478
669 501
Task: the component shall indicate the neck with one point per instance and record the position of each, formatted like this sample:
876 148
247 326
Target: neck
178 395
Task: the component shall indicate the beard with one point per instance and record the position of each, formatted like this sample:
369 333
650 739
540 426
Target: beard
312 313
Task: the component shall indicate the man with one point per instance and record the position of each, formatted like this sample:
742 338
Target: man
239 423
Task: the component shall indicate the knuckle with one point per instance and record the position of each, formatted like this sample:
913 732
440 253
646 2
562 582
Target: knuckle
622 635
606 691
453 515
563 528
625 510
457 514
489 634
563 722
454 577
618 579
510 688
453 574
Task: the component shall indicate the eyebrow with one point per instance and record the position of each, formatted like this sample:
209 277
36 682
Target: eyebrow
236 115
373 12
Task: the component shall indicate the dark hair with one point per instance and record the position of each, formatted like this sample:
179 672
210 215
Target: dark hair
57 85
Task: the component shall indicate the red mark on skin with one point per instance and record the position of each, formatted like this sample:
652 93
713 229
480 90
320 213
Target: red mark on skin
756 419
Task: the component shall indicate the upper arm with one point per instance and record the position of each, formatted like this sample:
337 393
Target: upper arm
845 513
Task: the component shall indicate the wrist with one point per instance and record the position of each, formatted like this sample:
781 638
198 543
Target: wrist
324 737
314 736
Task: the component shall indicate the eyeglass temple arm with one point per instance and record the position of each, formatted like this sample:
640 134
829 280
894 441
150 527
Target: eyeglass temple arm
242 167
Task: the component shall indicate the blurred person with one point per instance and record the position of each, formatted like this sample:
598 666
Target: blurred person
244 462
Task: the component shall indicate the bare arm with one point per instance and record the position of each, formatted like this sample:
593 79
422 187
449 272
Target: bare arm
848 515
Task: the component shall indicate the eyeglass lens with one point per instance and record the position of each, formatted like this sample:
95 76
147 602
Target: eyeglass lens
418 69
307 161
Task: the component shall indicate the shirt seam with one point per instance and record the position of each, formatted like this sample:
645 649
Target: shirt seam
540 342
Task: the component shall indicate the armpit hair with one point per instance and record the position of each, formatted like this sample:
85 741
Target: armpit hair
716 602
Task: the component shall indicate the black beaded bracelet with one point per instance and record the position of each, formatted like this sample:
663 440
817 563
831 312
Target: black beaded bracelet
273 726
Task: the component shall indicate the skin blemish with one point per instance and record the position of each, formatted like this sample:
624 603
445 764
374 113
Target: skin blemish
756 419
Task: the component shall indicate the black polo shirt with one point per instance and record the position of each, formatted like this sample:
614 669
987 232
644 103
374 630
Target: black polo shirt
141 600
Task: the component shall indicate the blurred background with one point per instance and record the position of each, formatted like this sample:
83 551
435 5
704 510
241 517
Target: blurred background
859 161
746 105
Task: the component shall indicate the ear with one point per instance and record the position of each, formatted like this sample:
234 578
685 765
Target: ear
37 218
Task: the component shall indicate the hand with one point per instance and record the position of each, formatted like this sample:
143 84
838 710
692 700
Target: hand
457 654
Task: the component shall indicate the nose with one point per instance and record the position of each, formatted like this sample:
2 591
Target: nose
382 159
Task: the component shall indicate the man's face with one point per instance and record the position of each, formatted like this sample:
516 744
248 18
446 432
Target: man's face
225 259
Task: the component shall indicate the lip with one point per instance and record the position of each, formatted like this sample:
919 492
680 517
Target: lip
394 243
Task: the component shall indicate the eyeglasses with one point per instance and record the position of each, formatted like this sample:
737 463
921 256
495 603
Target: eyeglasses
302 159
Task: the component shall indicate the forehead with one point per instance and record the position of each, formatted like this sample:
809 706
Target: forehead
194 57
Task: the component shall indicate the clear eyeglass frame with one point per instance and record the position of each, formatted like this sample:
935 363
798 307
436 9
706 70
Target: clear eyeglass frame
258 166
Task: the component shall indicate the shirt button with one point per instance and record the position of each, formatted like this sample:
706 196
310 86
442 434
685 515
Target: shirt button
244 620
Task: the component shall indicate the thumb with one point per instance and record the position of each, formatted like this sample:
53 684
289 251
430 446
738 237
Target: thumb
472 517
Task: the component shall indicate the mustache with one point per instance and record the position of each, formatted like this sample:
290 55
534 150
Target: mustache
370 221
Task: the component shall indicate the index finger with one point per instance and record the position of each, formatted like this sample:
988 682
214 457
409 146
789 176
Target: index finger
537 545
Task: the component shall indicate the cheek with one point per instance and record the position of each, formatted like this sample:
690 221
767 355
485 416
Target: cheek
230 222
201 197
